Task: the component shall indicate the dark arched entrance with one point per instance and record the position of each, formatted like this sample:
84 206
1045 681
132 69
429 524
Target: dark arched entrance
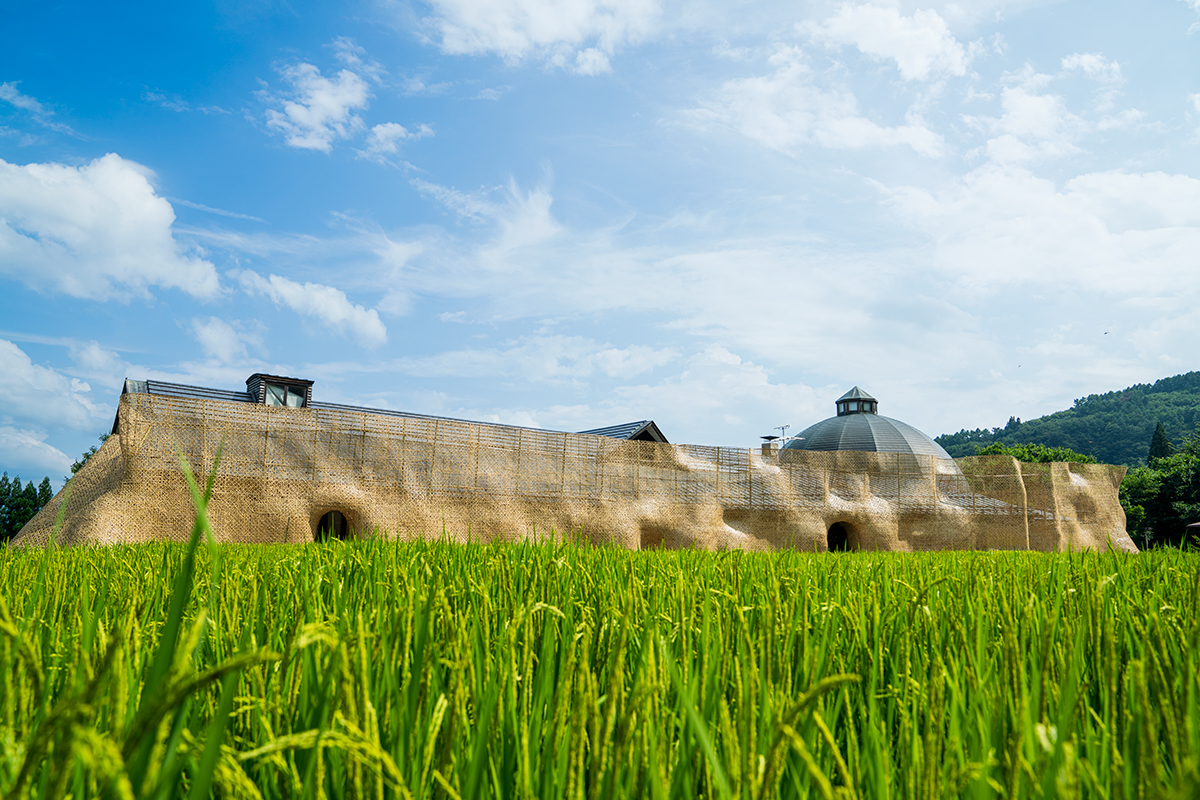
333 526
838 538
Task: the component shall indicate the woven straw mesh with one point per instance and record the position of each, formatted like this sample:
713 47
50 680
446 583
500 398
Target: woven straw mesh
282 469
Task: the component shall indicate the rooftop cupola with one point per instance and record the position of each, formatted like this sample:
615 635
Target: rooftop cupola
856 401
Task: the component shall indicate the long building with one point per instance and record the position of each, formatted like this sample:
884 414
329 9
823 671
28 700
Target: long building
292 469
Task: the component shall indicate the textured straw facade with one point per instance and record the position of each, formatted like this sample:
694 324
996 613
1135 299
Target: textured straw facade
284 468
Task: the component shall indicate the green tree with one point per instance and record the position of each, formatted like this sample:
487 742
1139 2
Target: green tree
1140 491
19 504
1034 453
1160 445
5 494
1163 498
87 454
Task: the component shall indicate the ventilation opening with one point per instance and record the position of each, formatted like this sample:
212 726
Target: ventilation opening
333 526
838 538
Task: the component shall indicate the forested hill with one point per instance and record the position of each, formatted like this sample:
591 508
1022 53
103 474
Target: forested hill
1115 427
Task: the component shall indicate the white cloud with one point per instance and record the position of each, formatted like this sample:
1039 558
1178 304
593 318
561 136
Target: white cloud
1036 125
921 45
10 94
218 339
591 62
786 111
1195 5
522 219
95 364
42 115
384 140
1109 233
417 85
1108 75
97 231
541 358
318 109
717 383
29 450
1095 66
31 393
323 303
576 34
176 103
474 206
356 58
1033 125
220 212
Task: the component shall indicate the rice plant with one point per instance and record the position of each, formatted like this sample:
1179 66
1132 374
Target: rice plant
423 669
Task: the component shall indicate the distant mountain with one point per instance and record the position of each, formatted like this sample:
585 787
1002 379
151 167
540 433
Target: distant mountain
1115 427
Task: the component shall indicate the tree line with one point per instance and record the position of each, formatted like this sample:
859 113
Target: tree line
1162 497
1114 427
18 505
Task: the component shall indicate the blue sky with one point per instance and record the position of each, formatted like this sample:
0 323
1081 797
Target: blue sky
571 214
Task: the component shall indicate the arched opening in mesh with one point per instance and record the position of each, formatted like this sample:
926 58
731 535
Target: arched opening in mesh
333 526
839 538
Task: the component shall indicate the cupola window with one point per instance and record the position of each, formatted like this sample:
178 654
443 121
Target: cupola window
856 401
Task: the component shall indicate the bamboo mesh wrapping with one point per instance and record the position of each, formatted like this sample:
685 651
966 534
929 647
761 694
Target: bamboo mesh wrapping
283 468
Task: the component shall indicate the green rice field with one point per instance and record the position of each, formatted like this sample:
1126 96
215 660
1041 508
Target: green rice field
430 669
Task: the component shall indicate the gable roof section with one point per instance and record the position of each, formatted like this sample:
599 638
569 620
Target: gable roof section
642 431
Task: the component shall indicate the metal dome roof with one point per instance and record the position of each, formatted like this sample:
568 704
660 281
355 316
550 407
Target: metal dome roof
865 430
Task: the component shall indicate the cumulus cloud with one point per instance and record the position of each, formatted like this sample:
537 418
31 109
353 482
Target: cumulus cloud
1108 75
96 364
579 35
317 110
1036 125
1033 125
98 231
31 393
327 305
1095 66
590 62
29 450
220 341
786 111
384 140
921 45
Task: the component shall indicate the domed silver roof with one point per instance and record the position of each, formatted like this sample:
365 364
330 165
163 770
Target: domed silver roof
858 427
